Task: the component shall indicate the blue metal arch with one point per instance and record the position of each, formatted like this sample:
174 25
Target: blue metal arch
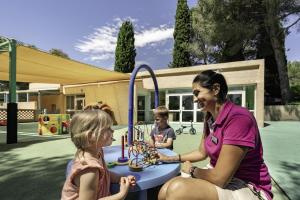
131 95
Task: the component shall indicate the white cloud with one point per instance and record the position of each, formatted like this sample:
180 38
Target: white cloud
101 44
153 36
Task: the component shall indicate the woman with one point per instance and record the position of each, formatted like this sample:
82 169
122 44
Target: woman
232 142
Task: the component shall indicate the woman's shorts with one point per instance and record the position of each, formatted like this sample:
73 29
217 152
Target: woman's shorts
237 189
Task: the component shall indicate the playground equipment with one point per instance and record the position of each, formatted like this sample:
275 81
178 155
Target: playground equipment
143 155
53 124
192 130
131 95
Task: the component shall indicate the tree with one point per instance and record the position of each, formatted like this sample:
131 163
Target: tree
294 72
3 47
294 77
125 49
182 33
200 47
241 30
277 12
58 52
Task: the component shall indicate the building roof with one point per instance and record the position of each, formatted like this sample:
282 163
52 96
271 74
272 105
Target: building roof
37 66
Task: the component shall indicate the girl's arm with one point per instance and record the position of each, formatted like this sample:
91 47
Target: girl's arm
114 178
230 156
88 186
124 186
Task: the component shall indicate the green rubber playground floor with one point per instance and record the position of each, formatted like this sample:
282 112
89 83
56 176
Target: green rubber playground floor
34 168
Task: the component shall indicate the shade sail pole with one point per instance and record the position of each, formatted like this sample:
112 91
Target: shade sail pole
12 106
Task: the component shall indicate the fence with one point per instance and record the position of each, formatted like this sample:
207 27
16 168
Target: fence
24 115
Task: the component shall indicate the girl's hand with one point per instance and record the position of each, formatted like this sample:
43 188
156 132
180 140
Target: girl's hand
132 181
186 166
124 186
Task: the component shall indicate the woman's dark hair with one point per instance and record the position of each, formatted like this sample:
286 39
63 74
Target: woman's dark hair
208 78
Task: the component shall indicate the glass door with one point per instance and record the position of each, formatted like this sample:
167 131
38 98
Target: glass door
79 104
173 104
141 108
187 108
181 107
237 97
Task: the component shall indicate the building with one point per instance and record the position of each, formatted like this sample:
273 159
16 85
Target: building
245 80
82 84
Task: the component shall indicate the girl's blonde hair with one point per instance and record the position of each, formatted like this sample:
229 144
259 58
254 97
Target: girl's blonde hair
88 121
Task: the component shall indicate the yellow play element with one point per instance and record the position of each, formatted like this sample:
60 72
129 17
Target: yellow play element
53 124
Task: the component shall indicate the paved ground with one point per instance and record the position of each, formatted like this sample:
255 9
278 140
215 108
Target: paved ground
35 167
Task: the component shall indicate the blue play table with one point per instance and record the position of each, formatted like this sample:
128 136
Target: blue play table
150 177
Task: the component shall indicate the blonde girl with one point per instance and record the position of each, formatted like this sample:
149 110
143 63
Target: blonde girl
89 178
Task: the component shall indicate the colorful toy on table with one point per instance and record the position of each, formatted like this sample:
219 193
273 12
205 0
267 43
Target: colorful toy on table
122 160
143 156
138 132
126 139
111 164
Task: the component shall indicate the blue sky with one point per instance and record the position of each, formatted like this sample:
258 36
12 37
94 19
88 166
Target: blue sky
87 30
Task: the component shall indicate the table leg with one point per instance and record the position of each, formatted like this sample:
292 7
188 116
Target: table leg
142 195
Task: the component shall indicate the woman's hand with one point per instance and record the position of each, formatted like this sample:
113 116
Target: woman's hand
186 166
163 157
132 180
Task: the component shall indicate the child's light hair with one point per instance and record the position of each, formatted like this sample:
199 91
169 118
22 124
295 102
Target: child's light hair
89 121
161 111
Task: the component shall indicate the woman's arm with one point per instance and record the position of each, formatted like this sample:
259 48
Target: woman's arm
231 157
194 156
197 155
151 142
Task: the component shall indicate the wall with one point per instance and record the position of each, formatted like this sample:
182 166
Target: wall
282 113
236 73
115 94
48 100
31 105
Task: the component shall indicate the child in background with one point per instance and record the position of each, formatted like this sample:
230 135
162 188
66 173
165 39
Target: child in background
162 135
89 178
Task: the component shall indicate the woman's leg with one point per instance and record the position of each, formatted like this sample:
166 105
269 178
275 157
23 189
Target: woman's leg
163 191
190 188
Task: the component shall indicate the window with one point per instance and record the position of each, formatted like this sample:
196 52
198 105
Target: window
174 102
70 103
2 98
141 108
250 90
162 99
141 103
235 98
22 97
